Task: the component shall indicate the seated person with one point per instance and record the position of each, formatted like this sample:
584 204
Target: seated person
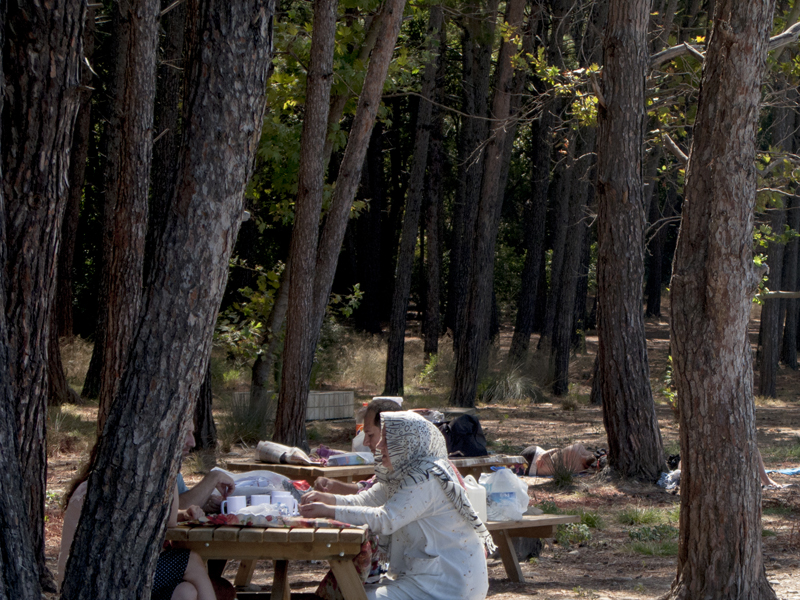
202 494
543 462
372 435
180 574
434 539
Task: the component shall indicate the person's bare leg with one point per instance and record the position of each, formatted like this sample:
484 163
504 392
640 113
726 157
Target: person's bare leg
762 472
184 591
197 575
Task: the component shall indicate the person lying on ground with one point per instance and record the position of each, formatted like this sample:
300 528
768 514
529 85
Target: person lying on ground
180 574
372 435
434 538
202 494
542 463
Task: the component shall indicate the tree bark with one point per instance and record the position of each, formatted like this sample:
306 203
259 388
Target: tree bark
789 348
127 183
166 128
565 315
771 313
295 380
713 282
41 65
475 335
477 47
298 350
139 451
264 364
535 216
205 431
19 575
393 382
634 439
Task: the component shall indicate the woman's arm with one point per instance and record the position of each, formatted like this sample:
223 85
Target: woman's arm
407 505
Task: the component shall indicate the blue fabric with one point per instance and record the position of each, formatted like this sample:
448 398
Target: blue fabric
794 471
182 487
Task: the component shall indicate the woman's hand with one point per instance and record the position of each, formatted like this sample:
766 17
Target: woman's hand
317 510
322 497
193 513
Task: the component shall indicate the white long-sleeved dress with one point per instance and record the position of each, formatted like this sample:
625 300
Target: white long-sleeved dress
434 555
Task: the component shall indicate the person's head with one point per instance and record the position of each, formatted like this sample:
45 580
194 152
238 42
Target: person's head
372 421
407 438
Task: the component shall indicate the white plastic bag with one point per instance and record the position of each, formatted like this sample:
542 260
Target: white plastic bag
506 495
477 496
358 443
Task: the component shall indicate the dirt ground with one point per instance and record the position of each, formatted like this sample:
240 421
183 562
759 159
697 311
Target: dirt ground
607 565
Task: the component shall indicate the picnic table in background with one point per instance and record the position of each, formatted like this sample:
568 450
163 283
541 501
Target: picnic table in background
309 473
483 464
249 544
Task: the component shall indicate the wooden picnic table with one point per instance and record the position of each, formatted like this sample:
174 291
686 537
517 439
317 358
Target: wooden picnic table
466 466
249 544
308 472
531 526
476 465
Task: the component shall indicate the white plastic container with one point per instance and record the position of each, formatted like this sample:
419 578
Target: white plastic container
477 496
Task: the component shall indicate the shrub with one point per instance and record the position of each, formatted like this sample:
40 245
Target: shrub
639 516
242 421
592 520
510 385
573 533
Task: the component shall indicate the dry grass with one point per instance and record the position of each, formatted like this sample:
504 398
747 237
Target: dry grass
76 353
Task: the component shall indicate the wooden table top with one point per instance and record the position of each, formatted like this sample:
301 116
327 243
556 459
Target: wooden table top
308 472
258 535
493 460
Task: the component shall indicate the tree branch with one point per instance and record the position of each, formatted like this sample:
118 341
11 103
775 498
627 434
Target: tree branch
675 149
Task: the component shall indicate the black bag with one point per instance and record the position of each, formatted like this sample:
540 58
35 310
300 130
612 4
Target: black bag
464 437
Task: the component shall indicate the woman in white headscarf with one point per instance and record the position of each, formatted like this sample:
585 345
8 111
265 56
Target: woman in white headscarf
433 537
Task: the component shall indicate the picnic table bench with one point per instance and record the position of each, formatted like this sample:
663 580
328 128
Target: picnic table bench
249 544
531 526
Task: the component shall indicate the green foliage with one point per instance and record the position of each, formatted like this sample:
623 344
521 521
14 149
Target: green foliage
668 389
563 477
243 421
657 533
638 515
549 507
573 534
661 548
509 385
591 519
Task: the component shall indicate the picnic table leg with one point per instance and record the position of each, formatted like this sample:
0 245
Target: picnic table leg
509 556
245 573
347 578
280 581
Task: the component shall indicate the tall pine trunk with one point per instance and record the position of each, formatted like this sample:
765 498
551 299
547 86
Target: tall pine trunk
713 282
393 382
634 439
131 486
41 65
127 182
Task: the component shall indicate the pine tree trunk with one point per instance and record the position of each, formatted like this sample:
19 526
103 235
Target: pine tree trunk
535 215
771 313
478 40
573 247
41 63
433 228
205 431
264 365
713 282
634 439
298 350
295 380
475 335
789 346
393 382
19 575
166 127
368 227
130 488
126 186
77 167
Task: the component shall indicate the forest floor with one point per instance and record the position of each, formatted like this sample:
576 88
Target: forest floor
608 563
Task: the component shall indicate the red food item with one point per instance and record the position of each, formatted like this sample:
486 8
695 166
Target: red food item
301 485
223 519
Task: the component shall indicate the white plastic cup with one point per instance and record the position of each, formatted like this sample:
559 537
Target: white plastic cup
257 499
233 504
287 500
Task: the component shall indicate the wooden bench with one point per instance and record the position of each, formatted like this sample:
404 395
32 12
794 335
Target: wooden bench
531 526
249 544
475 465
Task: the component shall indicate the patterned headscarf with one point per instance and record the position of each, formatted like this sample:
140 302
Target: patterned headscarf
418 452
